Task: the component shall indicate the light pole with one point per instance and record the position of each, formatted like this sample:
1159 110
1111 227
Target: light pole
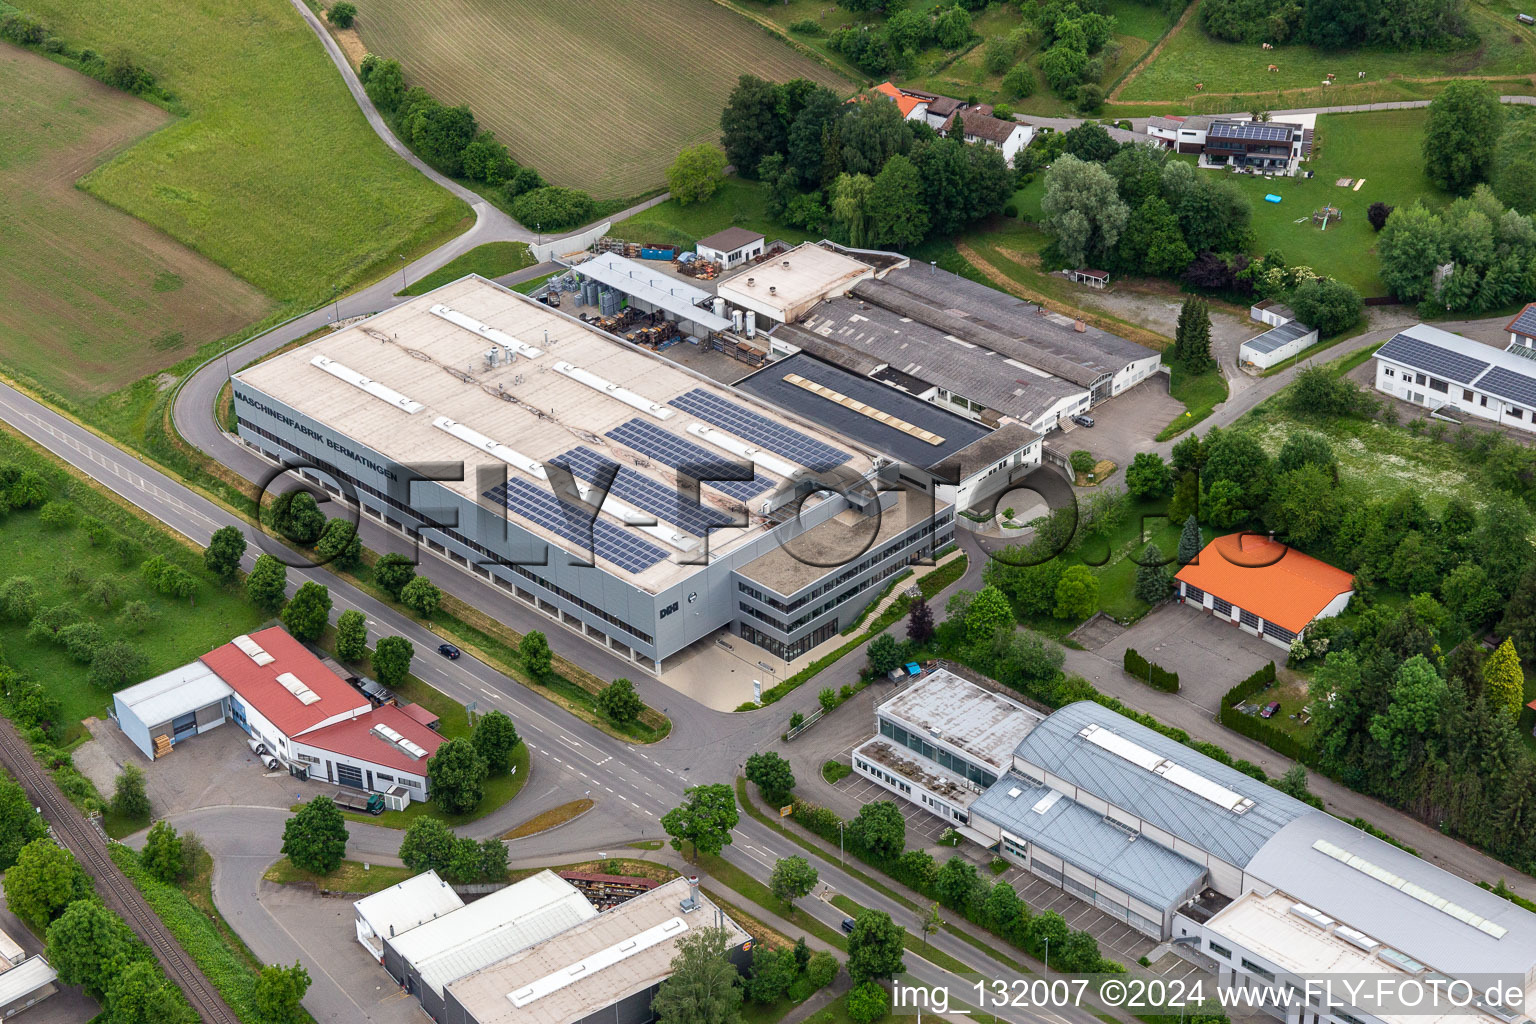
839 842
402 272
335 304
1047 958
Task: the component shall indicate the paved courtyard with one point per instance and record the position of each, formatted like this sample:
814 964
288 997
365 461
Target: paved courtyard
1210 656
214 769
1124 425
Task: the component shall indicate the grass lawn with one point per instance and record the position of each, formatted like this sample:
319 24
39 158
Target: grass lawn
531 285
737 202
1191 56
835 1012
273 173
350 877
1290 690
491 260
498 789
1384 148
181 630
597 95
1200 393
750 889
90 298
1110 557
550 819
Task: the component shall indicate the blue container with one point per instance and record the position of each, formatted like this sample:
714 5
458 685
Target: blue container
1271 198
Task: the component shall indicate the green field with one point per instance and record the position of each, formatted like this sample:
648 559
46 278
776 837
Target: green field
90 298
182 630
598 95
273 173
1384 148
491 260
1191 57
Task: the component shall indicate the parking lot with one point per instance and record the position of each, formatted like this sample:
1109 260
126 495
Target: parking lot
1124 425
1209 655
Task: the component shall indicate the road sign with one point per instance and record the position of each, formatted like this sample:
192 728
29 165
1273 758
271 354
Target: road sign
786 810
757 690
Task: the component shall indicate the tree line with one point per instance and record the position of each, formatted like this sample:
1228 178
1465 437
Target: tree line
1341 24
858 171
119 69
451 140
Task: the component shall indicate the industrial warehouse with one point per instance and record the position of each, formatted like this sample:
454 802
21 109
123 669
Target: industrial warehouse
1251 883
298 713
537 950
719 510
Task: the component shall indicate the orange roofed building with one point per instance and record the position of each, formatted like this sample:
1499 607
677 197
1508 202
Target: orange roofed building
1264 587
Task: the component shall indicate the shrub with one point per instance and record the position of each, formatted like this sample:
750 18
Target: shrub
22 29
552 208
1020 82
1152 674
1010 210
805 27
343 14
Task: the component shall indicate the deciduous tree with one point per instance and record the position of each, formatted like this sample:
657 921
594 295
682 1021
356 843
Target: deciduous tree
772 775
703 820
161 856
88 945
875 947
1077 593
1083 209
308 613
315 838
421 596
1461 135
534 651
881 829
792 878
351 635
279 993
619 701
267 584
392 659
457 774
224 551
696 173
704 987
393 572
129 797
45 879
495 737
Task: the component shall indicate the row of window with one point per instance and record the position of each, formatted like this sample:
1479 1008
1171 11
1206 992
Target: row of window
1514 412
849 573
789 651
938 755
491 556
790 627
880 773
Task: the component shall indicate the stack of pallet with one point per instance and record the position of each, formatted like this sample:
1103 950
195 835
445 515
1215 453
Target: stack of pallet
706 270
610 244
162 746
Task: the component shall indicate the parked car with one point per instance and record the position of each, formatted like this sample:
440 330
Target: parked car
848 925
1270 709
1083 421
448 651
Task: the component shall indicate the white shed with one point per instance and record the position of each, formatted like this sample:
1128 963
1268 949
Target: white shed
1277 344
731 247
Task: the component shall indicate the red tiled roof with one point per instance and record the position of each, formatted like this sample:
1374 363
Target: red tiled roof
1277 583
904 103
257 685
355 738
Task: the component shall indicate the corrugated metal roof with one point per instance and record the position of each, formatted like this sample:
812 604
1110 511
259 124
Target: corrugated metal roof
25 978
1056 745
1133 864
405 905
173 693
1277 337
493 928
678 299
1289 861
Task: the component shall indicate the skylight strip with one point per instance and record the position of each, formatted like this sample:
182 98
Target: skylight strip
1408 888
604 386
485 331
475 439
382 392
603 958
720 439
864 409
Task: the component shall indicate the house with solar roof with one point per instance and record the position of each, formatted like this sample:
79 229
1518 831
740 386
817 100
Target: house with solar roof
1522 330
638 503
1261 145
1457 378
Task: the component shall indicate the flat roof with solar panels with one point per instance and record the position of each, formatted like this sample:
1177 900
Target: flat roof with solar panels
1509 376
478 374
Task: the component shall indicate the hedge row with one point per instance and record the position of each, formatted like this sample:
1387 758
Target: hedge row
917 870
1256 728
1151 673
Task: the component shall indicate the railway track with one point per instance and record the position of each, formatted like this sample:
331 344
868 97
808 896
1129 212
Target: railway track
116 890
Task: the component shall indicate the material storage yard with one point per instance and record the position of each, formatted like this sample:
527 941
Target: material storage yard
598 95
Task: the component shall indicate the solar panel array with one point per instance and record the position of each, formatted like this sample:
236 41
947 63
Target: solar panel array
641 491
1249 130
1511 385
1525 323
1432 359
671 450
608 541
760 430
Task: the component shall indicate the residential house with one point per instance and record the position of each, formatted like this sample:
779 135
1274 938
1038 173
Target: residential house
1008 136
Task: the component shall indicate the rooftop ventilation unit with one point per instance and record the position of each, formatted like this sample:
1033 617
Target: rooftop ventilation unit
253 650
1313 915
296 686
393 736
486 331
385 394
1408 888
612 390
475 439
1171 771
720 439
1046 802
1356 937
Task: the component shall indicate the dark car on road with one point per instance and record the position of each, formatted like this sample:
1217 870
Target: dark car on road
448 650
848 924
1270 709
1083 421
